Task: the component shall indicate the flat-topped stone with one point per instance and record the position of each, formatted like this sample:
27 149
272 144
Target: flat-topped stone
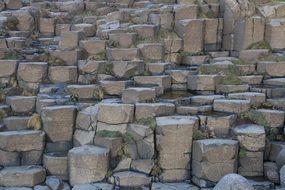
32 71
212 159
150 110
163 81
22 140
113 87
63 74
275 69
174 142
56 164
133 95
8 67
234 106
15 123
255 98
122 54
91 91
215 150
87 164
113 113
274 82
273 118
22 176
202 82
251 137
22 104
58 122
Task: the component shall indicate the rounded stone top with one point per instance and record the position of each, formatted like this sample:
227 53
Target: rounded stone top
249 129
89 150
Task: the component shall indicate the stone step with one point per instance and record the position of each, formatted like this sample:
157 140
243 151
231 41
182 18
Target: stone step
225 89
194 109
233 106
163 81
22 104
15 123
144 30
151 51
138 94
157 68
20 141
58 122
122 54
252 143
255 98
273 69
114 87
92 91
22 176
211 153
275 82
122 40
63 74
87 164
174 160
56 164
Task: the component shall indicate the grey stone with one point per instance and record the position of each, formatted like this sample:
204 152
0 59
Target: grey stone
87 164
19 176
233 182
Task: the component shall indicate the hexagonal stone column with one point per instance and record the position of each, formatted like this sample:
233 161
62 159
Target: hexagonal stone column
252 143
174 142
58 122
87 164
212 159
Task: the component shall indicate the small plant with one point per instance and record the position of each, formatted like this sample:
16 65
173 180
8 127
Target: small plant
272 58
12 55
128 138
28 93
260 45
156 170
35 122
99 56
108 68
198 135
255 117
51 60
241 62
230 80
242 153
150 122
99 94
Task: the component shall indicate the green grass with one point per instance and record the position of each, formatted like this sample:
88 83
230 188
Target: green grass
150 122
